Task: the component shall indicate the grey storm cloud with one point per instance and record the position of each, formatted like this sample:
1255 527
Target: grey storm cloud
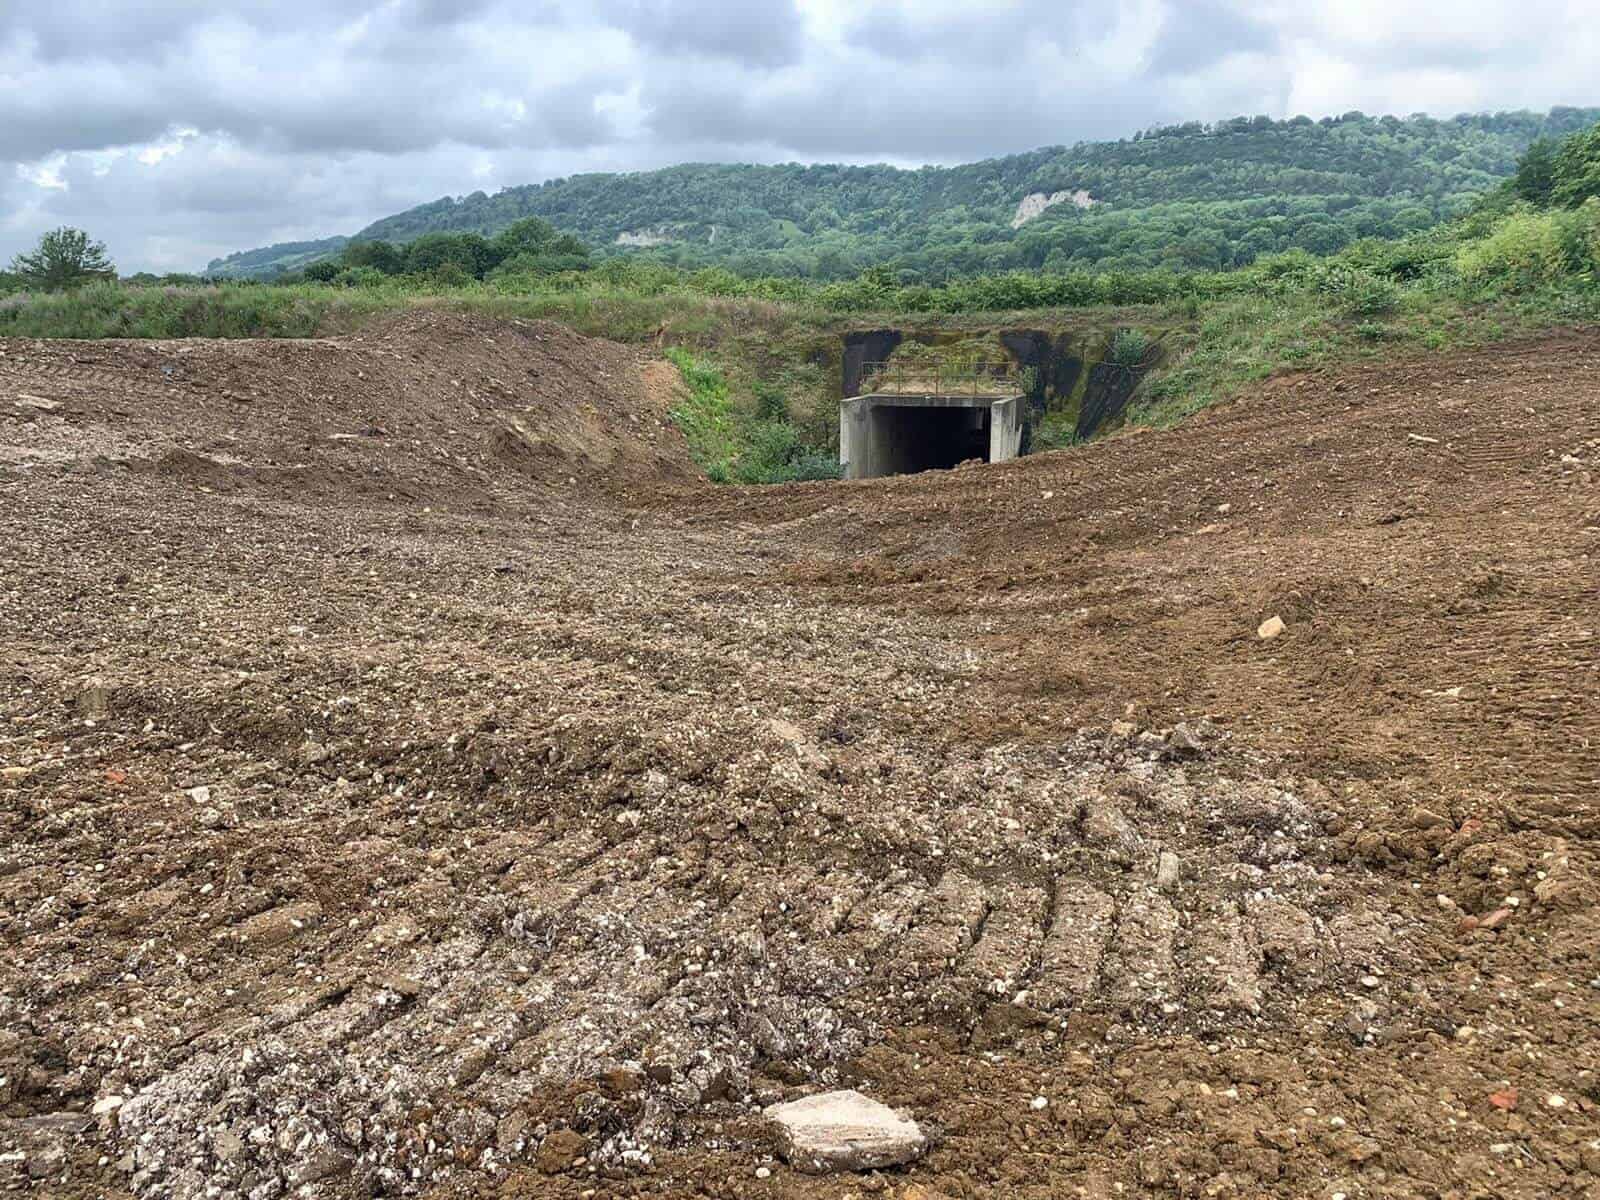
177 130
1202 32
75 30
765 33
974 37
123 32
833 114
398 81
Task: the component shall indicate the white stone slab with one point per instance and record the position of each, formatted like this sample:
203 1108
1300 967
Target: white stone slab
844 1131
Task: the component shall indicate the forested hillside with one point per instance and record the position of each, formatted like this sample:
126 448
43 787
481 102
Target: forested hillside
1187 197
271 261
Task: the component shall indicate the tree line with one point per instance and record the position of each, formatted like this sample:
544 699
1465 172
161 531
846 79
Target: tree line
1541 212
526 248
1184 197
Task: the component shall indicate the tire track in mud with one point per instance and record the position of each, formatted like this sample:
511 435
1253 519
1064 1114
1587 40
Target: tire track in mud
599 962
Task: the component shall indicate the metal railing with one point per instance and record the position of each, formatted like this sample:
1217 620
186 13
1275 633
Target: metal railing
963 378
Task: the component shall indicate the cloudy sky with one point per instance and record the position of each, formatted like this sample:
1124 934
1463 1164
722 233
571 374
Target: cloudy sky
178 130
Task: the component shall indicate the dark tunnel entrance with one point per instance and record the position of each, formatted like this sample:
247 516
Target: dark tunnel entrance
930 439
901 435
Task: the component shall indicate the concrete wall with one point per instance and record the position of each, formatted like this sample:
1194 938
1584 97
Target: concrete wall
898 435
863 347
855 437
1006 419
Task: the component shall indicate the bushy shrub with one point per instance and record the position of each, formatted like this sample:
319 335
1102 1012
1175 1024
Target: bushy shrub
526 267
737 447
638 276
1536 173
64 259
361 277
378 255
1575 172
771 403
1358 293
1129 347
325 271
1406 259
1293 266
1522 251
448 275
810 464
766 451
1055 432
715 281
1579 230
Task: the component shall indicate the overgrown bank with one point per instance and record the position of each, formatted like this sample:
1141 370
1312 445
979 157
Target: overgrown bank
735 445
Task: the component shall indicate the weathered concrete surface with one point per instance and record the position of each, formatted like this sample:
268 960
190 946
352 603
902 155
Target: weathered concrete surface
844 1131
863 347
1005 429
892 434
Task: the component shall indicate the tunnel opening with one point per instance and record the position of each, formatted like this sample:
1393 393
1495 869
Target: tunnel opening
903 435
931 439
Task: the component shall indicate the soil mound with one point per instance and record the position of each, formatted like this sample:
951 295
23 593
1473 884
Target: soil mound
428 405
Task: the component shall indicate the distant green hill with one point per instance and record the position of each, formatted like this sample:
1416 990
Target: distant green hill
274 260
1191 196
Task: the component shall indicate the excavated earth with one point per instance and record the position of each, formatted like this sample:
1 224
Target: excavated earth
416 782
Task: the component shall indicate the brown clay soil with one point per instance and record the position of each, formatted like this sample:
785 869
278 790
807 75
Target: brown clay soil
415 782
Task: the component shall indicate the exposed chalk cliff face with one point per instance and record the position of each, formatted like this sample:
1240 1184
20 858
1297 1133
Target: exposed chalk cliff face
1035 203
658 236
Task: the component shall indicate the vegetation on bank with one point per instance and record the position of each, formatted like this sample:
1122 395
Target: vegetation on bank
760 406
739 445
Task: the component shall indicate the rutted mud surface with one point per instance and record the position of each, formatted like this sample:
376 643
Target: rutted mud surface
432 790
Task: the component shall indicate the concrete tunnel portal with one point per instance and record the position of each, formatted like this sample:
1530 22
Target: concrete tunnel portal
894 433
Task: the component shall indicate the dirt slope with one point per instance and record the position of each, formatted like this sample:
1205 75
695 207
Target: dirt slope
394 815
426 405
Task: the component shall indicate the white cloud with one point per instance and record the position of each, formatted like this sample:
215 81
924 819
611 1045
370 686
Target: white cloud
178 131
45 174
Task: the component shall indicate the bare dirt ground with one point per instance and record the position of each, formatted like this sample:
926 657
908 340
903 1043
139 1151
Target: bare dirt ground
414 782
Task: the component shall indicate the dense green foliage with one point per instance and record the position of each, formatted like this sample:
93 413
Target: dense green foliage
759 445
523 250
1576 172
761 405
108 309
1184 198
1564 173
65 258
1541 225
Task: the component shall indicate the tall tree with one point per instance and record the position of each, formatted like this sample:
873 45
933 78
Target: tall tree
1536 173
64 258
1577 168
